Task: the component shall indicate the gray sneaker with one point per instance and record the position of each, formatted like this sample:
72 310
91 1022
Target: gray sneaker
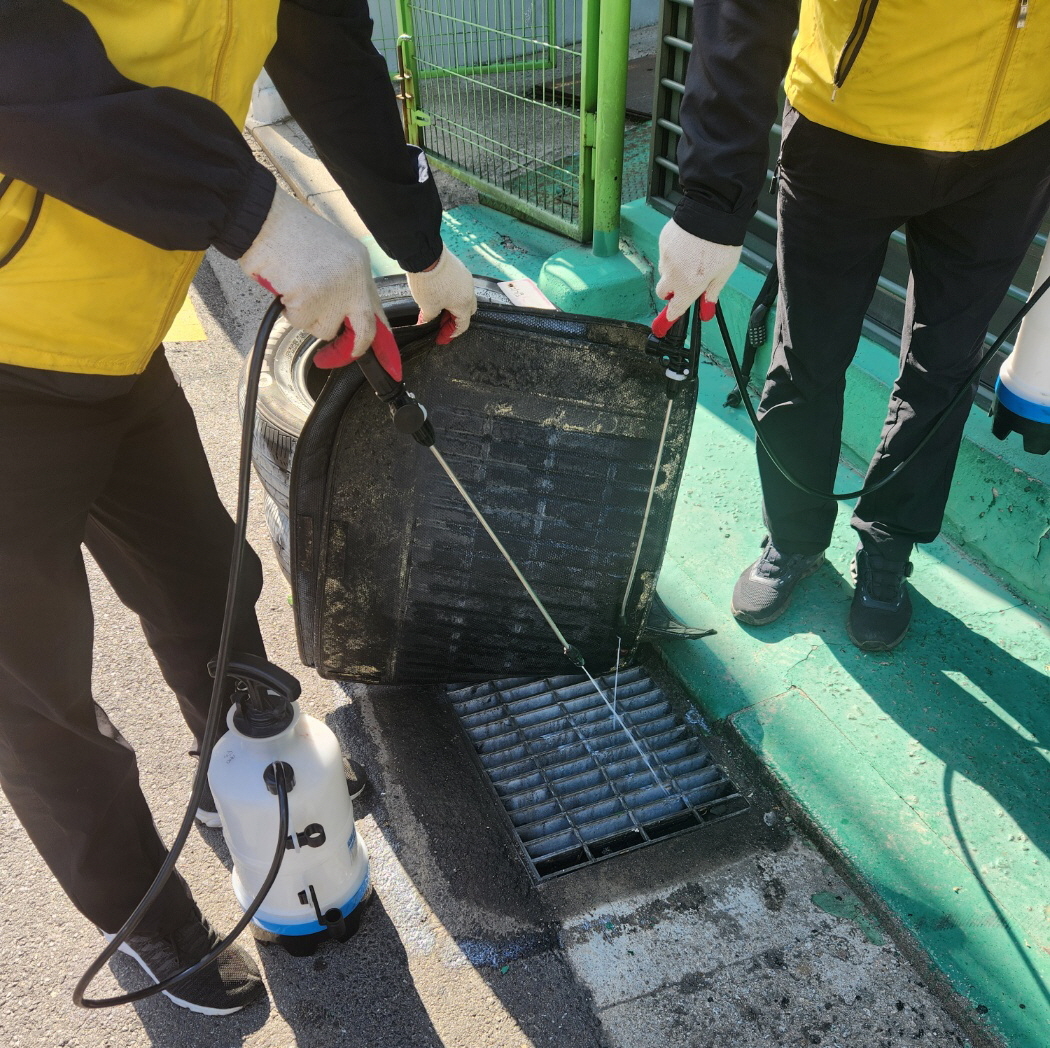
763 591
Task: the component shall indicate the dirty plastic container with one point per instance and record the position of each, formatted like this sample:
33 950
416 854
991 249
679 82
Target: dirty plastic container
552 422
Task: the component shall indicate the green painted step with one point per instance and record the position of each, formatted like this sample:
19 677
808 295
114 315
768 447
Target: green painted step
927 767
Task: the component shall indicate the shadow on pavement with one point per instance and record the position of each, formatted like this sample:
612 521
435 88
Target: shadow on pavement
356 994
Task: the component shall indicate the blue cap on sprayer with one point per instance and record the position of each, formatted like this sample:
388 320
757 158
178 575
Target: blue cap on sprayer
1022 391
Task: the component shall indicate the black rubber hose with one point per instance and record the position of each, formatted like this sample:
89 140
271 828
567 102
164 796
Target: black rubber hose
215 713
208 958
741 382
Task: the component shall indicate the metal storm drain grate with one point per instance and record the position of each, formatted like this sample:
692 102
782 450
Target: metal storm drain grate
579 782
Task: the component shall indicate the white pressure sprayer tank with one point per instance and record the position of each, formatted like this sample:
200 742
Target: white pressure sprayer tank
324 875
1022 392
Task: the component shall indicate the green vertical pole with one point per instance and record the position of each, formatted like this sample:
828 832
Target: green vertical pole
614 29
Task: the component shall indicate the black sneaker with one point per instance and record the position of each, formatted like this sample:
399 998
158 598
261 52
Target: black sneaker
208 810
881 610
763 591
231 982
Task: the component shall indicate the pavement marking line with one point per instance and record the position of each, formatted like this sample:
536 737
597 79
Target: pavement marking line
186 327
464 1012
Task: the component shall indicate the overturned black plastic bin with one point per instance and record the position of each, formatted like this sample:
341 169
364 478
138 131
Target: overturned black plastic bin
552 422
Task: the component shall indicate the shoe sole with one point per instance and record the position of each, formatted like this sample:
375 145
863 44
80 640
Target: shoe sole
764 620
200 1009
875 645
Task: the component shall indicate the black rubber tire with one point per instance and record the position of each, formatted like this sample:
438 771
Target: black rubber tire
277 525
288 387
285 399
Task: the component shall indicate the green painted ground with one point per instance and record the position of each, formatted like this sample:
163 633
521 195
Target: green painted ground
927 768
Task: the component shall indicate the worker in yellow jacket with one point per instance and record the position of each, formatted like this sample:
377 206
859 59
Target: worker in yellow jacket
121 161
932 116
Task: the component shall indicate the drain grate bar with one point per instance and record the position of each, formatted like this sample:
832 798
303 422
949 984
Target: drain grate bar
574 785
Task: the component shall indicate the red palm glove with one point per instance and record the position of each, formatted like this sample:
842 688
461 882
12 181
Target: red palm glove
322 275
446 288
691 269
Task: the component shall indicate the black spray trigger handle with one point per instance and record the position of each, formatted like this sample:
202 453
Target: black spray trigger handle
666 344
385 385
410 417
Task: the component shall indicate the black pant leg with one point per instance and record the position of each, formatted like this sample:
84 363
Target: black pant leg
70 777
836 211
163 538
964 252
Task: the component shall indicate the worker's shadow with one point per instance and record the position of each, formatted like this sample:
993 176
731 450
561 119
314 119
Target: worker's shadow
960 694
982 712
985 716
357 993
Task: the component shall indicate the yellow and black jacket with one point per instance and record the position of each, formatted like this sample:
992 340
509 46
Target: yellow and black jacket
122 158
937 74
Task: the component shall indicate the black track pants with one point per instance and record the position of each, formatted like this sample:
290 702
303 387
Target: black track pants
969 218
126 476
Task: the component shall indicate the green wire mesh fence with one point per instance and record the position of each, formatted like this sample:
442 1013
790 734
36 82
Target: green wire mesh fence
503 94
384 30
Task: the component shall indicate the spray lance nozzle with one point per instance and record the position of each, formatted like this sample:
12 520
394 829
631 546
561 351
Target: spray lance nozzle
263 694
381 366
574 655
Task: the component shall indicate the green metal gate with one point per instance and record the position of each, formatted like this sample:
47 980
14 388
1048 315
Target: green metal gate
507 96
886 314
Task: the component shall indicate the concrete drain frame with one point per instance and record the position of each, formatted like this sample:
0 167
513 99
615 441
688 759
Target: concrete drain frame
575 786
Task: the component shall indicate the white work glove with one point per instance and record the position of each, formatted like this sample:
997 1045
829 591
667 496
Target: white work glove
691 269
322 275
447 286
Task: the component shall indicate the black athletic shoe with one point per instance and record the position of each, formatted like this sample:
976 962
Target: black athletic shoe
207 813
881 610
228 984
763 591
208 810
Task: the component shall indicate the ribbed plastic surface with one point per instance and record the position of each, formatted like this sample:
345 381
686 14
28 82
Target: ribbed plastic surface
578 782
552 423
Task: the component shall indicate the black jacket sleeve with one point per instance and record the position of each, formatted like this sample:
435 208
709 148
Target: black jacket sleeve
337 87
162 164
741 50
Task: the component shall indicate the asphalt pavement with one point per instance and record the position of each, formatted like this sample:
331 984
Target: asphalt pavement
738 935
